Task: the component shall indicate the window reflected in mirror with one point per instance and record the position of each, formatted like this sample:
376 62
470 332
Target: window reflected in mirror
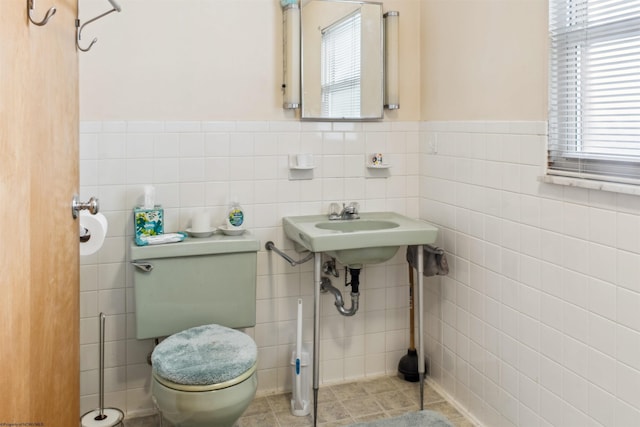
342 60
341 67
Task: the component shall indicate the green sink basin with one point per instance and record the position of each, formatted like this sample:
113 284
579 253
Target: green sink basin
373 238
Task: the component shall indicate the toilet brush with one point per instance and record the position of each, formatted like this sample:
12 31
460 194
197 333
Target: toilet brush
102 417
300 395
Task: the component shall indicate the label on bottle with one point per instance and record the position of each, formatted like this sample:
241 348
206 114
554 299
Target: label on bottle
236 217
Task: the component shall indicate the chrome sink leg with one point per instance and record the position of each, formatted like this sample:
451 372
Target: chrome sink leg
420 262
317 281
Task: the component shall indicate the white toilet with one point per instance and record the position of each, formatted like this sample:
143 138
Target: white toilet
196 292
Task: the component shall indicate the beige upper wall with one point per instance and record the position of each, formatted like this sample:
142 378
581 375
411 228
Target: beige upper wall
204 60
222 60
484 60
182 60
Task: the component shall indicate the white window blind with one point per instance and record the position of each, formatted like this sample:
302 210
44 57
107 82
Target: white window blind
341 67
594 98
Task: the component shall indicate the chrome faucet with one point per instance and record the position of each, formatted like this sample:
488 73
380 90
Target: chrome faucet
349 211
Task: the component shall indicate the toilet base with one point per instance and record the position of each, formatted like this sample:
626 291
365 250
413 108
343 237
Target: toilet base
215 408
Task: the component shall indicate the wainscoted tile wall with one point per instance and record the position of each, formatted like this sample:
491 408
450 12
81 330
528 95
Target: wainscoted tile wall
538 323
196 165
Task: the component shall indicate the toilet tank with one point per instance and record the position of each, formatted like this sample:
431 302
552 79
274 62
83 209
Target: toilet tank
195 282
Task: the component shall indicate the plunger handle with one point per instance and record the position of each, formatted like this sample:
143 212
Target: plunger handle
412 344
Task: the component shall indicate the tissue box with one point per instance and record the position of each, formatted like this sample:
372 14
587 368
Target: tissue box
148 222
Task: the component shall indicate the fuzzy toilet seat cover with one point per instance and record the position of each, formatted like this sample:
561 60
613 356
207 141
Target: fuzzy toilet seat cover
204 355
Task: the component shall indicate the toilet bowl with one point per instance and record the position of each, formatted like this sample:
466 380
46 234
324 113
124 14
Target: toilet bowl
195 293
216 408
204 376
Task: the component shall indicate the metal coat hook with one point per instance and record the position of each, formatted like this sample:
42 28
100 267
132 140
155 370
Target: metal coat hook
116 8
50 13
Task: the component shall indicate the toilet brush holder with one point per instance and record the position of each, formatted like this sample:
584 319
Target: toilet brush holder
102 417
300 400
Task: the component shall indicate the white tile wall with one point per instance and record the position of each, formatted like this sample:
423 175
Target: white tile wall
538 322
196 165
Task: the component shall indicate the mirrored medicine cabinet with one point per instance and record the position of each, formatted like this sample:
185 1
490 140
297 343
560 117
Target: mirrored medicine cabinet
342 60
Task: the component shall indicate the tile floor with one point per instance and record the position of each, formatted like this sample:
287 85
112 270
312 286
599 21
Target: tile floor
341 405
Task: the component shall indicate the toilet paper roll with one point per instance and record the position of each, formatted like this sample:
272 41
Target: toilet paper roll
96 230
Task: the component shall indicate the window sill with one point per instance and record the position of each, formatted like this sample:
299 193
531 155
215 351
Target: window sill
591 184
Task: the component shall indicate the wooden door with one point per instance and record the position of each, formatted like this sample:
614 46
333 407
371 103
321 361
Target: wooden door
39 279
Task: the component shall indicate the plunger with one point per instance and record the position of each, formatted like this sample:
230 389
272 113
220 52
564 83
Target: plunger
408 365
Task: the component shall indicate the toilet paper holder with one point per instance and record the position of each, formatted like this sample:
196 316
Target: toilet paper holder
93 206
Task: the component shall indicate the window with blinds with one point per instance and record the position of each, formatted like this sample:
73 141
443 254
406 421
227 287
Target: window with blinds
594 98
341 67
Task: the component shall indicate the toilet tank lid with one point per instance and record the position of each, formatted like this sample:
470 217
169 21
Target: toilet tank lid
191 246
204 355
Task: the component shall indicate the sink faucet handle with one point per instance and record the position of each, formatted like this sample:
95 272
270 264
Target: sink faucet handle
350 211
334 208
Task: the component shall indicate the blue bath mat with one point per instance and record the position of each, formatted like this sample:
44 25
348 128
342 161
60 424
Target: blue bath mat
410 419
